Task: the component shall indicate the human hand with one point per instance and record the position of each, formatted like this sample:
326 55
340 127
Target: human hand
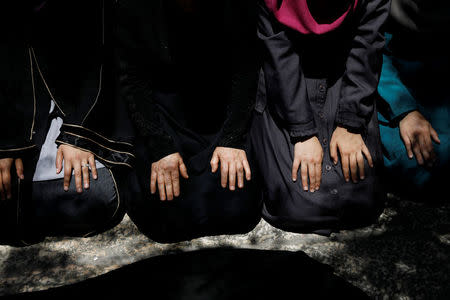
308 157
79 161
233 163
351 147
5 175
417 135
166 173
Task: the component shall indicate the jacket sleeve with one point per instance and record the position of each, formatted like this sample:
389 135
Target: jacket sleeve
95 121
396 98
363 66
16 101
136 87
244 69
285 81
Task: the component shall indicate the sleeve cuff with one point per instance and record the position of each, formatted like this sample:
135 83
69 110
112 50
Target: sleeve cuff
351 121
109 152
301 131
16 152
160 147
233 141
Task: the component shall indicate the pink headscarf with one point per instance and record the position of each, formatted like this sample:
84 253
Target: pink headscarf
296 15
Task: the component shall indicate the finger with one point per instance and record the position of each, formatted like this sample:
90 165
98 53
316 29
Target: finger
434 135
312 177
19 168
417 153
248 172
408 146
232 176
214 162
67 175
93 166
425 143
7 184
240 175
345 167
295 166
85 171
353 167
168 185
176 183
183 170
366 152
304 175
153 177
6 179
360 161
318 167
2 191
333 152
161 187
59 160
223 174
78 179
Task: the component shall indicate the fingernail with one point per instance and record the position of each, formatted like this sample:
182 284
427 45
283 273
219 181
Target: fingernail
232 187
95 177
79 190
66 188
305 188
22 177
86 186
293 179
347 180
362 177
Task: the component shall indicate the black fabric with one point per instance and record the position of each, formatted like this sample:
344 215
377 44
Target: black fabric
352 52
418 27
219 273
309 85
65 52
203 207
206 56
68 213
337 204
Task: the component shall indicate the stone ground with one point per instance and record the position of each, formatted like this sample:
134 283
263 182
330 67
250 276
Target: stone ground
406 255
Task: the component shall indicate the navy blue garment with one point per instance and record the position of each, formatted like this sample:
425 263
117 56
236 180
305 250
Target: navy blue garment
308 86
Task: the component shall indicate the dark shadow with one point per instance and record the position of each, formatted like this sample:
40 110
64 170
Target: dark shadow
220 273
409 258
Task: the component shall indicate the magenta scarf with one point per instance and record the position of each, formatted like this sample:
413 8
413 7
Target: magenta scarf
296 15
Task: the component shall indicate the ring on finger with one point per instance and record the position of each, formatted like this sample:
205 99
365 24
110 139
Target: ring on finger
85 166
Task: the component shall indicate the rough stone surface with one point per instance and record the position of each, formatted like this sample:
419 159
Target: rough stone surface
406 255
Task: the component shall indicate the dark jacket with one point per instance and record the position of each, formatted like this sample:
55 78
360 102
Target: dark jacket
212 64
50 51
351 53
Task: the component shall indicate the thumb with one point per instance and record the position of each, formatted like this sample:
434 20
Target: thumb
183 169
333 152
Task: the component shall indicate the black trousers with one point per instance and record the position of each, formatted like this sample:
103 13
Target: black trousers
337 204
203 208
